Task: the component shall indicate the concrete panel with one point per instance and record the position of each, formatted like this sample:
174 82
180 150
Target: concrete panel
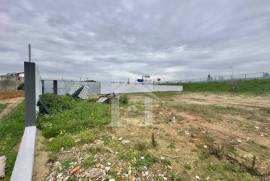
107 88
23 169
30 93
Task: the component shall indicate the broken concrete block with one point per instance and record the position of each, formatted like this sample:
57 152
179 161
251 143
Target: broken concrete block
2 166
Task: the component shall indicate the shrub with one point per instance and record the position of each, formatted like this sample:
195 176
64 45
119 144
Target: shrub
123 99
56 103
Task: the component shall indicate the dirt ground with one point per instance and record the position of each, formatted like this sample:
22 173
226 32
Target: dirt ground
11 104
193 136
11 94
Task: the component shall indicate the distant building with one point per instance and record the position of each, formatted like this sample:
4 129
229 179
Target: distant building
12 81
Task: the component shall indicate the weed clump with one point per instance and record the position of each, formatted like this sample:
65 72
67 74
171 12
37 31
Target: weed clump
89 162
146 160
87 136
153 141
60 142
123 99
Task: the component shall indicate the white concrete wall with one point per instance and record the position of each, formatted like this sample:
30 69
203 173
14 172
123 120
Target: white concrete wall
107 88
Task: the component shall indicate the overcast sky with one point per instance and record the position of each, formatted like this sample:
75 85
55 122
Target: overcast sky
117 39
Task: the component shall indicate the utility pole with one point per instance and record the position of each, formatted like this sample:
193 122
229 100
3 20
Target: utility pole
29 52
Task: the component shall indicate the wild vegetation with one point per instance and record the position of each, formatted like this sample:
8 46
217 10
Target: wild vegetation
11 131
193 136
2 107
255 86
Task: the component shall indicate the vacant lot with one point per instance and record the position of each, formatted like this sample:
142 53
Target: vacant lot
166 136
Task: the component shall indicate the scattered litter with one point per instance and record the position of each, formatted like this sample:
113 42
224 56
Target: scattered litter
239 140
197 177
75 170
124 142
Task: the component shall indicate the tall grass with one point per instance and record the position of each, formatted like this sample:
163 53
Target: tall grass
11 131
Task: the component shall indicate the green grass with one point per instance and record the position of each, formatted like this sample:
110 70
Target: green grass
221 170
87 136
65 141
256 86
88 162
74 117
11 131
2 107
71 119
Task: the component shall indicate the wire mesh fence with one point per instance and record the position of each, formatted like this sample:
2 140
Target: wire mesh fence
247 76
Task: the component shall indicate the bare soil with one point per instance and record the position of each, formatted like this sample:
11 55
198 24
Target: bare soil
11 94
203 136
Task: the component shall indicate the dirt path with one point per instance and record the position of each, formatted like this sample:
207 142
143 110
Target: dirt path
227 100
40 168
11 104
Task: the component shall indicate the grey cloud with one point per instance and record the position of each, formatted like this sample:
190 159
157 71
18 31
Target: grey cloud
119 39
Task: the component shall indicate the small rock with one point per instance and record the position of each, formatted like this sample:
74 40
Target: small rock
107 168
197 177
257 127
120 139
162 158
239 141
205 146
124 142
142 157
111 179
